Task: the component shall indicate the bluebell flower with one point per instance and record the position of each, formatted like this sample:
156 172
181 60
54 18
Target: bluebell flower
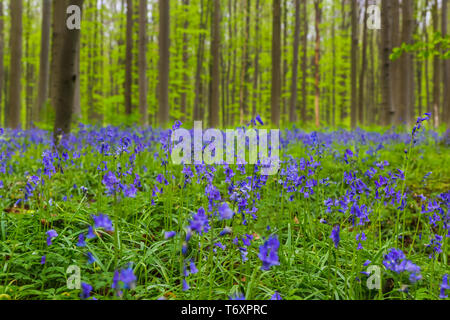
225 231
185 285
193 268
268 253
43 259
50 235
335 235
237 296
124 278
85 290
103 221
396 261
91 258
184 248
444 286
169 234
81 242
91 234
225 211
200 222
276 296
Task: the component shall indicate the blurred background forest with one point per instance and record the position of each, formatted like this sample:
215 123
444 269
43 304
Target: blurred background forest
316 63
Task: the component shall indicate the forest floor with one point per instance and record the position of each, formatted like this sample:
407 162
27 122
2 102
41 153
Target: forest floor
350 215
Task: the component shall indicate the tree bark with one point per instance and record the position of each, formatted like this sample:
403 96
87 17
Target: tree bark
143 62
361 100
58 28
164 61
354 67
407 66
293 101
276 63
437 71
15 106
183 104
256 62
304 61
2 52
243 92
446 68
318 11
129 58
387 110
44 59
67 79
214 104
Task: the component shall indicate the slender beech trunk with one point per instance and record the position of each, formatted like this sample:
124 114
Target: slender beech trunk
143 62
214 104
276 63
15 43
44 59
67 79
318 11
293 101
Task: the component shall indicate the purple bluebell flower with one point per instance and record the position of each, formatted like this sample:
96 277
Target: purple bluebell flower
91 234
200 222
103 221
184 248
81 242
185 285
220 245
225 231
444 286
225 211
193 268
169 235
91 258
395 260
268 253
50 235
276 296
43 259
237 296
335 235
85 290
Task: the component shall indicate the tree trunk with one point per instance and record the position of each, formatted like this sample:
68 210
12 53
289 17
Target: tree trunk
67 79
256 62
2 49
361 100
214 104
14 115
143 62
446 68
129 59
318 11
396 65
164 61
29 70
245 66
437 71
44 59
293 101
304 61
276 63
199 68
58 28
183 104
354 61
407 66
387 111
